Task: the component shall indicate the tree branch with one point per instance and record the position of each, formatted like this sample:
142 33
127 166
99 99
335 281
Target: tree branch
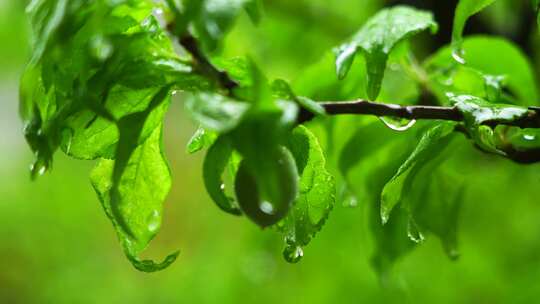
223 79
364 107
357 107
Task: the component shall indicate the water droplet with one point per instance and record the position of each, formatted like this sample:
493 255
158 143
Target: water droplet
101 48
452 253
154 221
350 201
222 187
529 137
398 124
457 54
493 85
38 168
293 254
266 207
414 233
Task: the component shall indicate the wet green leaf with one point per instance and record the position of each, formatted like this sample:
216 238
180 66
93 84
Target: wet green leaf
216 112
215 164
432 141
464 10
98 86
478 112
212 19
317 193
512 63
377 39
141 189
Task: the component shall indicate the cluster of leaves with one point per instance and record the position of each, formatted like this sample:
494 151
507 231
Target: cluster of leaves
102 72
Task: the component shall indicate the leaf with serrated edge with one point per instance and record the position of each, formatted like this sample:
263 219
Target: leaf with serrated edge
317 193
143 187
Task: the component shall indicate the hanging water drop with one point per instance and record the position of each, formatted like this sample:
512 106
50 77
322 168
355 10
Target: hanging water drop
38 168
266 207
293 254
398 124
493 85
414 233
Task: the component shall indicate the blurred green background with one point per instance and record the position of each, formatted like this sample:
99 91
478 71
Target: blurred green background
57 246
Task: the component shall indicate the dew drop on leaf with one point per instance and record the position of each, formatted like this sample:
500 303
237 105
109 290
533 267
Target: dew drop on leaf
529 137
398 124
267 207
350 201
101 48
457 54
414 233
453 253
293 254
154 221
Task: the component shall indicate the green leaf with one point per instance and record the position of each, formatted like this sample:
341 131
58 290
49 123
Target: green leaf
477 112
317 194
141 189
212 19
437 210
536 5
215 163
46 16
367 161
88 136
464 10
377 39
71 96
216 112
520 145
511 62
254 8
430 144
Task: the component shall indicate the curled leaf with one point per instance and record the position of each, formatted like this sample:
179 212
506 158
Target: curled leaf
215 163
216 112
478 112
464 10
377 39
140 190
